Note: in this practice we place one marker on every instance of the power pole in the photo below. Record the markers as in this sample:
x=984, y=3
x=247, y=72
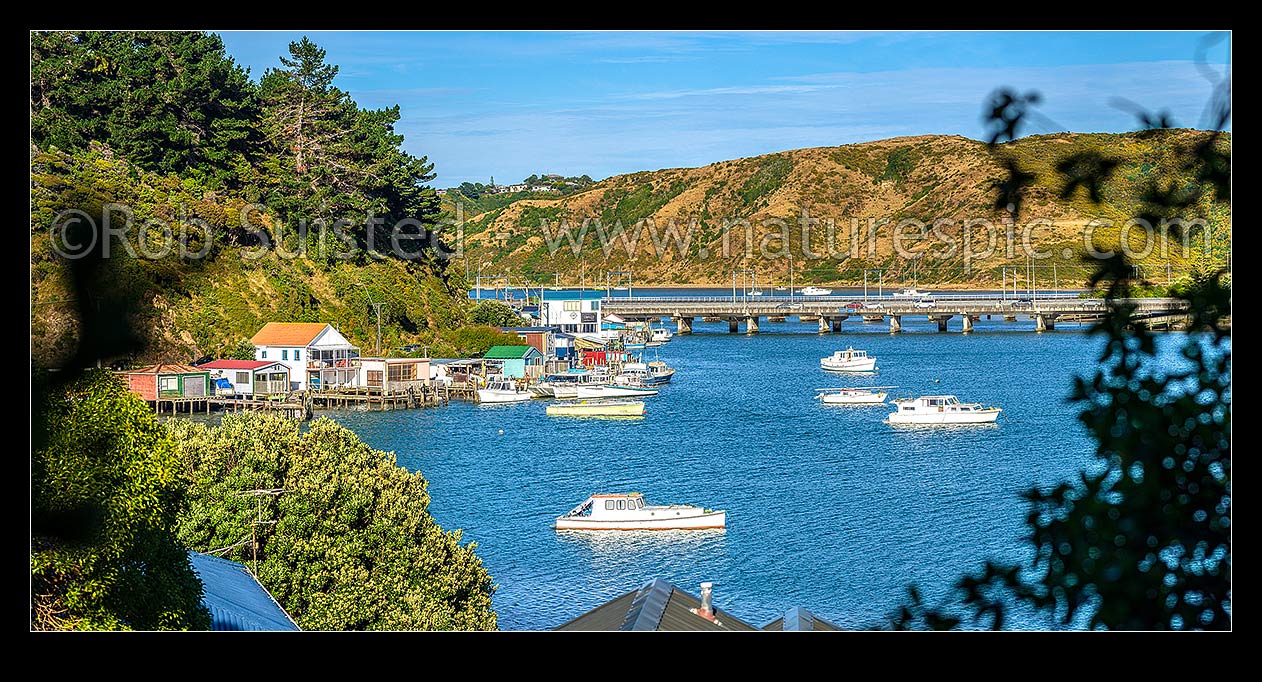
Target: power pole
x=258, y=495
x=377, y=307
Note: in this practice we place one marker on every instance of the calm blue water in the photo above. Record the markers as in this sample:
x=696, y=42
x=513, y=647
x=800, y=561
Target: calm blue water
x=828, y=507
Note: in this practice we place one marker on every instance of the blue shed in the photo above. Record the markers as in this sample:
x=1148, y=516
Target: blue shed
x=236, y=600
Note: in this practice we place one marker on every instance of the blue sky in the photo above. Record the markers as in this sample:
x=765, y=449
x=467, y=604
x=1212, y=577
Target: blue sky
x=510, y=104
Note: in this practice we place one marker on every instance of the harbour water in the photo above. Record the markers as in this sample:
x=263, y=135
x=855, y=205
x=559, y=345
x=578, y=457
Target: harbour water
x=828, y=507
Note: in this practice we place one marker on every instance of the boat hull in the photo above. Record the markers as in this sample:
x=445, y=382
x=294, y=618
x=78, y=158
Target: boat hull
x=489, y=396
x=940, y=418
x=702, y=521
x=614, y=392
x=853, y=399
x=867, y=365
x=596, y=409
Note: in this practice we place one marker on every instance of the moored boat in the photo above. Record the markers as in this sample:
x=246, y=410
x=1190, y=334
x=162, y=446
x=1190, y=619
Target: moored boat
x=911, y=292
x=849, y=360
x=815, y=291
x=629, y=511
x=940, y=409
x=596, y=408
x=660, y=334
x=852, y=396
x=661, y=372
x=614, y=391
x=503, y=392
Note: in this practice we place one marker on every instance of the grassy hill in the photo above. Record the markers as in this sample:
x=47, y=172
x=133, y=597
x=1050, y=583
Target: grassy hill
x=762, y=199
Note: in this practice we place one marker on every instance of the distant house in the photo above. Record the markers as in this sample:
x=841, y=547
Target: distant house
x=440, y=192
x=236, y=601
x=394, y=374
x=517, y=188
x=553, y=176
x=662, y=607
x=517, y=361
x=168, y=381
x=543, y=188
x=316, y=354
x=542, y=339
x=251, y=377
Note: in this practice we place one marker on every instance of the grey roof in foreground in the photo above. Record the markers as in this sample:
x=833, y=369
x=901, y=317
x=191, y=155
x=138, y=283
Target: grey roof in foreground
x=235, y=599
x=658, y=606
x=798, y=619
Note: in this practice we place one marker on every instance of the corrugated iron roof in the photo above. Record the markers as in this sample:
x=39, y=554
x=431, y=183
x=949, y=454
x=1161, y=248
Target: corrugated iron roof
x=798, y=619
x=235, y=599
x=657, y=606
x=165, y=368
x=508, y=352
x=288, y=333
x=237, y=364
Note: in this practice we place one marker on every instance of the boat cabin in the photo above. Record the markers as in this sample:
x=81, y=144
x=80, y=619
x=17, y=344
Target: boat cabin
x=935, y=403
x=610, y=505
x=850, y=354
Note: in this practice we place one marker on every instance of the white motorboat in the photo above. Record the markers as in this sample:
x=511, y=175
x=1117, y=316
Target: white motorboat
x=613, y=391
x=755, y=293
x=940, y=409
x=911, y=292
x=596, y=408
x=815, y=291
x=629, y=511
x=849, y=360
x=852, y=396
x=565, y=384
x=660, y=334
x=503, y=392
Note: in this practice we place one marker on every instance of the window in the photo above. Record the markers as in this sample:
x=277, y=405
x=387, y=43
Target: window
x=374, y=378
x=608, y=504
x=284, y=355
x=243, y=377
x=622, y=504
x=570, y=305
x=297, y=354
x=908, y=408
x=168, y=384
x=263, y=355
x=401, y=372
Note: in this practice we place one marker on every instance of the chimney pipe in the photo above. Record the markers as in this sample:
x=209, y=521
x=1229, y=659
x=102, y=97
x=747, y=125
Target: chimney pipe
x=707, y=601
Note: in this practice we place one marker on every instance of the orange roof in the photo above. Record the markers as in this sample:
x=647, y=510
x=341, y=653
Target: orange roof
x=288, y=333
x=165, y=368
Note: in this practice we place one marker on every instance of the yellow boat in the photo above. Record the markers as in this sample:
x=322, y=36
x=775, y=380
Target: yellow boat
x=596, y=408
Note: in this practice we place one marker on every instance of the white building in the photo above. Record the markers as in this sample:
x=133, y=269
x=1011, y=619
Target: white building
x=572, y=311
x=251, y=378
x=316, y=354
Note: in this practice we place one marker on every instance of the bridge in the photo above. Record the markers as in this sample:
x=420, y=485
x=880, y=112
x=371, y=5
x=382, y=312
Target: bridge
x=830, y=311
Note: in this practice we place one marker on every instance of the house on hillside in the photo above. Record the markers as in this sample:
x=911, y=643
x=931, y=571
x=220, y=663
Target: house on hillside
x=251, y=378
x=517, y=361
x=236, y=600
x=317, y=355
x=168, y=381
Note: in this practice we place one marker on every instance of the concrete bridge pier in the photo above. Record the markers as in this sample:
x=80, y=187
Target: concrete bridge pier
x=837, y=324
x=968, y=323
x=896, y=324
x=823, y=324
x=1044, y=323
x=733, y=325
x=775, y=318
x=683, y=325
x=941, y=320
x=1009, y=318
x=751, y=325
